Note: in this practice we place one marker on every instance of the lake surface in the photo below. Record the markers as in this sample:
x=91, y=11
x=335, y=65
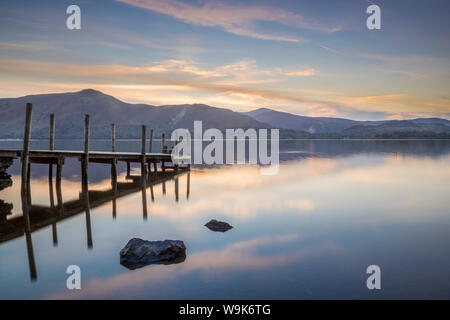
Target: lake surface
x=309, y=232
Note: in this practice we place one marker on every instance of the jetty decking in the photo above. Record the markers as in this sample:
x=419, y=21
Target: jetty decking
x=36, y=217
x=43, y=216
x=57, y=157
x=53, y=156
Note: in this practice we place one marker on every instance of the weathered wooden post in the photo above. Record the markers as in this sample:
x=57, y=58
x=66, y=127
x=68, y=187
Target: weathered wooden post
x=176, y=189
x=52, y=198
x=51, y=146
x=128, y=168
x=30, y=252
x=163, y=142
x=114, y=202
x=143, y=170
x=26, y=147
x=52, y=132
x=59, y=198
x=188, y=187
x=87, y=208
x=114, y=185
x=150, y=144
x=114, y=170
x=163, y=150
x=55, y=219
x=144, y=199
x=29, y=184
x=152, y=193
x=85, y=180
x=25, y=190
x=85, y=160
x=113, y=137
x=86, y=133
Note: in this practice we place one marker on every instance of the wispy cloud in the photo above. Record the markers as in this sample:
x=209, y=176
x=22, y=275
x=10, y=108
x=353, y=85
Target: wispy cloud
x=237, y=19
x=410, y=75
x=242, y=86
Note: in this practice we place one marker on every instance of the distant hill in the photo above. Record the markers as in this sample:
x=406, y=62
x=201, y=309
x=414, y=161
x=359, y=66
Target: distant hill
x=70, y=108
x=323, y=127
x=295, y=122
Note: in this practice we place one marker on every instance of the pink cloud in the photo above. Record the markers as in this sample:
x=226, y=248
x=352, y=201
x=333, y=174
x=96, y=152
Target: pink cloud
x=236, y=19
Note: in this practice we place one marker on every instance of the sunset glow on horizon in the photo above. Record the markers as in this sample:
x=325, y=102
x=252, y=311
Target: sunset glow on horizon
x=303, y=57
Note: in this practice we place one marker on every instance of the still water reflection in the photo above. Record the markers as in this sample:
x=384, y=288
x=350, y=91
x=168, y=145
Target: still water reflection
x=334, y=208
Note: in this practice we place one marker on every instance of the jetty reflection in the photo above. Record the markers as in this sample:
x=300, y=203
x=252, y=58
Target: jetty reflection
x=36, y=217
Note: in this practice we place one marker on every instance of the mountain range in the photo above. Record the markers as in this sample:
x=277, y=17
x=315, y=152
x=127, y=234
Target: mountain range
x=70, y=108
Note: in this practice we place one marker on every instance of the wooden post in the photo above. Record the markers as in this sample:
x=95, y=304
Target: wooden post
x=85, y=160
x=59, y=198
x=128, y=169
x=113, y=138
x=114, y=187
x=52, y=205
x=143, y=173
x=151, y=193
x=51, y=146
x=86, y=134
x=85, y=192
x=144, y=198
x=52, y=198
x=52, y=132
x=29, y=184
x=176, y=189
x=26, y=147
x=150, y=144
x=25, y=190
x=30, y=252
x=143, y=169
x=188, y=187
x=163, y=142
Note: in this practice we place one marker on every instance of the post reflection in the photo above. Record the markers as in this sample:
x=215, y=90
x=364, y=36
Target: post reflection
x=37, y=216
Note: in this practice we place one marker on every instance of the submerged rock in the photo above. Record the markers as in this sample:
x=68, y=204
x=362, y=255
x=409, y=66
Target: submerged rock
x=218, y=226
x=139, y=253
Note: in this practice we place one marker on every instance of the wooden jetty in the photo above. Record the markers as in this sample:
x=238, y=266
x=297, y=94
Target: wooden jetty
x=37, y=217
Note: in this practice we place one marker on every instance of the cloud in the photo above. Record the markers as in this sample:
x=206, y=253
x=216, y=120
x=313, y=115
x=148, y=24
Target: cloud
x=242, y=85
x=410, y=75
x=303, y=73
x=237, y=19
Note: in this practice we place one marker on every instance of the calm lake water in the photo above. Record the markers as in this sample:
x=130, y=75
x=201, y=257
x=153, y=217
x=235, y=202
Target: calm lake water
x=309, y=232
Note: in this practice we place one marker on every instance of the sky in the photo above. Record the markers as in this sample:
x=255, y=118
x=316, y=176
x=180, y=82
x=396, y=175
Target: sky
x=312, y=58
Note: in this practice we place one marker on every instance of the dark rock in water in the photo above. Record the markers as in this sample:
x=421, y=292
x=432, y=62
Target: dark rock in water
x=139, y=253
x=219, y=226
